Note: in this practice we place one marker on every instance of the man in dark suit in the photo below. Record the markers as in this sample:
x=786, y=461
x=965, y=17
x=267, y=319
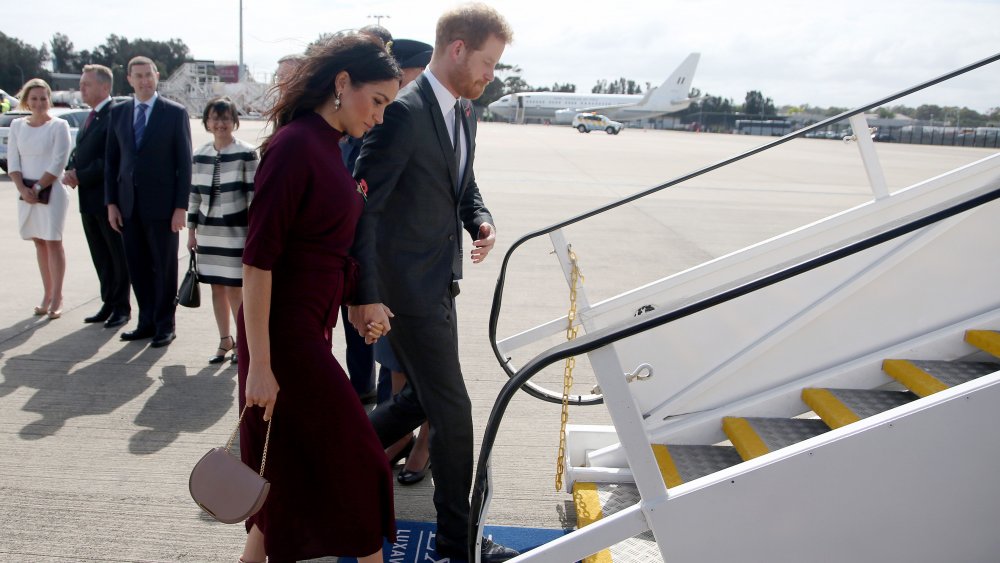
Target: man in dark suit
x=147, y=184
x=86, y=172
x=418, y=166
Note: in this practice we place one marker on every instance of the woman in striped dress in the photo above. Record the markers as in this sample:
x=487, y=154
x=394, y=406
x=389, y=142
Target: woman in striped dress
x=221, y=191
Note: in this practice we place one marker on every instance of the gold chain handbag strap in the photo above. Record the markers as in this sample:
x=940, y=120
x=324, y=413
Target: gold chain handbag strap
x=267, y=439
x=575, y=278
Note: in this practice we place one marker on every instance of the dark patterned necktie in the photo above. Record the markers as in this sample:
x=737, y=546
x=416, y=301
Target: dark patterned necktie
x=140, y=123
x=90, y=119
x=458, y=124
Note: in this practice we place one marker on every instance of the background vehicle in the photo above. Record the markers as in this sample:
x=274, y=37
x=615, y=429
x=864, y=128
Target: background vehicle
x=587, y=122
x=75, y=117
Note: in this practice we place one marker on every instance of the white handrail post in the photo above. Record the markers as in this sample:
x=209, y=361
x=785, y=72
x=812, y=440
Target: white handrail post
x=867, y=148
x=561, y=248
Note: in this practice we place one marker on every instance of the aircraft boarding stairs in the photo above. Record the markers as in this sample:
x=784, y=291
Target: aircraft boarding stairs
x=831, y=394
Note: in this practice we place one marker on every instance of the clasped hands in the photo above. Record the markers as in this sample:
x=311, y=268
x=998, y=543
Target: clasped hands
x=371, y=320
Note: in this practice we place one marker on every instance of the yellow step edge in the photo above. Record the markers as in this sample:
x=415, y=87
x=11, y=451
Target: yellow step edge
x=671, y=477
x=986, y=340
x=824, y=403
x=588, y=511
x=748, y=444
x=914, y=378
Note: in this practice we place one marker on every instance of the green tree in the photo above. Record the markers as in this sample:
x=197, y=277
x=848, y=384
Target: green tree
x=116, y=52
x=20, y=62
x=64, y=56
x=756, y=104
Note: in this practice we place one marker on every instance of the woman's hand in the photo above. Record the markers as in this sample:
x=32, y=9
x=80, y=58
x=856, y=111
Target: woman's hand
x=192, y=245
x=262, y=388
x=29, y=195
x=374, y=332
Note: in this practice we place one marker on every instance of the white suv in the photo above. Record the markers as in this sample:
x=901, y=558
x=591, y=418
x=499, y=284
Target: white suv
x=587, y=122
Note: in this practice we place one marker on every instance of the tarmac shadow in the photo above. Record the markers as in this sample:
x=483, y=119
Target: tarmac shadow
x=63, y=393
x=18, y=333
x=183, y=403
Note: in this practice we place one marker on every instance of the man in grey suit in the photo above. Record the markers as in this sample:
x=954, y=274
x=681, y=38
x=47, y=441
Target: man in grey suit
x=147, y=185
x=418, y=166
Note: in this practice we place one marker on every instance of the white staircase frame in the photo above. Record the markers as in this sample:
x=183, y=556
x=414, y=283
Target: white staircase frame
x=738, y=358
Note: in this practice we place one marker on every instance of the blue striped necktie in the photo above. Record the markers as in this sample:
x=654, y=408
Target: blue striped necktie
x=140, y=123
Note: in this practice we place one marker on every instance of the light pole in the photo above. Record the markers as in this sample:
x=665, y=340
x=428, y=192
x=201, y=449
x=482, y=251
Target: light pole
x=378, y=18
x=239, y=72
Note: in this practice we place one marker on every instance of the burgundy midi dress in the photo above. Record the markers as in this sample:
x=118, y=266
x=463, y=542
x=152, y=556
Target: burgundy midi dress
x=331, y=486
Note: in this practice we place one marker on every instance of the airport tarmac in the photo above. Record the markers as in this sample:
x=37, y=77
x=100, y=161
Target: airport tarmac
x=98, y=436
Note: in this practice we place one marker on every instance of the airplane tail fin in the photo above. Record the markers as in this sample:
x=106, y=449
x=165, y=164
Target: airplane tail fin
x=674, y=89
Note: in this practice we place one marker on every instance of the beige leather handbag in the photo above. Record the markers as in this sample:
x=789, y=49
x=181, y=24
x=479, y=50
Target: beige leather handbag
x=226, y=488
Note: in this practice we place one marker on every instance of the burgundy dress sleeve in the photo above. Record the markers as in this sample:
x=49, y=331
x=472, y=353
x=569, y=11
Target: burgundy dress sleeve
x=279, y=188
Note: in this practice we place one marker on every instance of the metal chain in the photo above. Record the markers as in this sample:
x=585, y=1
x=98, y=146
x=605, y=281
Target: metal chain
x=267, y=439
x=575, y=278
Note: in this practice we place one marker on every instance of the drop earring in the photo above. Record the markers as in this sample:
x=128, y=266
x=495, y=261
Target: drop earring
x=336, y=103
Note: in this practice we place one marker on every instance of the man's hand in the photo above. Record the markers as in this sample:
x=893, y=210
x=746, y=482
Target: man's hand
x=369, y=318
x=484, y=244
x=70, y=179
x=115, y=218
x=177, y=221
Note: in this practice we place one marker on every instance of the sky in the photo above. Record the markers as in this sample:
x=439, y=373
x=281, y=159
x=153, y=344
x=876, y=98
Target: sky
x=822, y=53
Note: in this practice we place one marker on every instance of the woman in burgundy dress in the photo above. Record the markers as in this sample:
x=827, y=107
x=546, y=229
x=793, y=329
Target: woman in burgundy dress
x=331, y=487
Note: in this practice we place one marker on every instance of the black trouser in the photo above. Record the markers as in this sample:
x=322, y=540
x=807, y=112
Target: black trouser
x=427, y=348
x=108, y=253
x=151, y=252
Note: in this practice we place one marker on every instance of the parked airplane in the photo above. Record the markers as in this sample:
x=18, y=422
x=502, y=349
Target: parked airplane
x=560, y=107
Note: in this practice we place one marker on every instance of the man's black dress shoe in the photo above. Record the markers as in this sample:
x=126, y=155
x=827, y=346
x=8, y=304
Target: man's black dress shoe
x=116, y=320
x=162, y=340
x=492, y=552
x=100, y=317
x=138, y=334
x=407, y=477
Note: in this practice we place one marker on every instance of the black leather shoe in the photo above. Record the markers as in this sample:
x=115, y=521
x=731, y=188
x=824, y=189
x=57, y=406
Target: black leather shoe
x=491, y=551
x=116, y=320
x=161, y=340
x=407, y=477
x=100, y=317
x=138, y=334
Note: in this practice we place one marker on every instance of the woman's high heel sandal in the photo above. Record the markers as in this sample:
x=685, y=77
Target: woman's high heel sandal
x=219, y=358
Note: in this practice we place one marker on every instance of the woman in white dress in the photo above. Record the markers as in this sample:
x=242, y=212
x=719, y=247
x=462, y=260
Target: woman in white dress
x=37, y=152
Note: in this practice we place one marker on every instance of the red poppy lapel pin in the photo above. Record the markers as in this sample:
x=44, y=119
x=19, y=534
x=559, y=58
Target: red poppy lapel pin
x=468, y=109
x=363, y=189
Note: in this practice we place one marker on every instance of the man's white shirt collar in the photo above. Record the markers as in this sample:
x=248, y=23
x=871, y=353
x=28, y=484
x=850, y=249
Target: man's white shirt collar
x=149, y=103
x=103, y=103
x=445, y=99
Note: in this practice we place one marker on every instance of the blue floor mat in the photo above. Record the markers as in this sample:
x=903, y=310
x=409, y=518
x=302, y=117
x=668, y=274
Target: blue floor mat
x=415, y=541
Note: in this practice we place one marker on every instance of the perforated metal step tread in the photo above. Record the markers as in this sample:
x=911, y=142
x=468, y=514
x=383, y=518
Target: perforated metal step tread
x=594, y=501
x=755, y=437
x=840, y=407
x=926, y=377
x=685, y=463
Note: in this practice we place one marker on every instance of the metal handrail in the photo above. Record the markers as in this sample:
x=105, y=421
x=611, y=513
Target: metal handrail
x=609, y=335
x=544, y=395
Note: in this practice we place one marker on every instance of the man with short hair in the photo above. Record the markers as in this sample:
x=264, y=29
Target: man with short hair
x=418, y=166
x=147, y=185
x=86, y=172
x=287, y=65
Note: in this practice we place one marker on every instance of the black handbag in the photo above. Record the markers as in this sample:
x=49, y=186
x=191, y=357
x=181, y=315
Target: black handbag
x=189, y=295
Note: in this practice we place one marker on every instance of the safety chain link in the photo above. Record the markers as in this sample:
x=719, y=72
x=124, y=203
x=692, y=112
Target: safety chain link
x=575, y=278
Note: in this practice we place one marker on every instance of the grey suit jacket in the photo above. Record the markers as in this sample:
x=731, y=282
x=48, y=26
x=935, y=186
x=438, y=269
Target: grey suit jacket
x=409, y=239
